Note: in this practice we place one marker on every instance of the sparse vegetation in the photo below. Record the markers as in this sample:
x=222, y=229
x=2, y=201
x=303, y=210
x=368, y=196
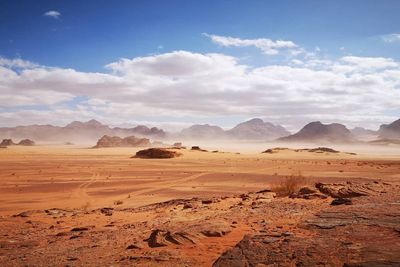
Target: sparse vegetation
x=291, y=184
x=118, y=202
x=86, y=206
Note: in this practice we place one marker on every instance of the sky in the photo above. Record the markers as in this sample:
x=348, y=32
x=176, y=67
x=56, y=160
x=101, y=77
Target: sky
x=179, y=62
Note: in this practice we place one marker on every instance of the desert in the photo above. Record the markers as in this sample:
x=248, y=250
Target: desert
x=188, y=133
x=78, y=206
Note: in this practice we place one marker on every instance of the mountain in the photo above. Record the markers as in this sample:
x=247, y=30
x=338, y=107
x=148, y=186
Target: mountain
x=254, y=129
x=318, y=132
x=203, y=131
x=363, y=134
x=77, y=132
x=390, y=131
x=360, y=131
x=257, y=129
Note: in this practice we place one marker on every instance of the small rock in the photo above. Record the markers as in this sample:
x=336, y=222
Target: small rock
x=270, y=240
x=79, y=229
x=274, y=234
x=307, y=190
x=207, y=201
x=107, y=211
x=341, y=201
x=134, y=246
x=187, y=206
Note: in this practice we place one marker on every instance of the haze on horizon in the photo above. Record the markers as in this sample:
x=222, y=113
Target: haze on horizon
x=184, y=62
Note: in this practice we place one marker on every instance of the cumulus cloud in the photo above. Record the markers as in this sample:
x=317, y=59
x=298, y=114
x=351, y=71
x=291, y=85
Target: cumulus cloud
x=353, y=90
x=391, y=38
x=52, y=14
x=267, y=46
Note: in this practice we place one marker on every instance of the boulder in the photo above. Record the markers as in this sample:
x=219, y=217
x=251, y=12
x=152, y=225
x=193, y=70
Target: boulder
x=162, y=238
x=341, y=201
x=348, y=189
x=156, y=153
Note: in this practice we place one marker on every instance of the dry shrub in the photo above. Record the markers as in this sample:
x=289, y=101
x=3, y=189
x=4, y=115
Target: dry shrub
x=118, y=202
x=291, y=184
x=85, y=207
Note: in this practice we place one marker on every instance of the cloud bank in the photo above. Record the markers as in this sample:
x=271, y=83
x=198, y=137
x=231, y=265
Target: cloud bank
x=352, y=90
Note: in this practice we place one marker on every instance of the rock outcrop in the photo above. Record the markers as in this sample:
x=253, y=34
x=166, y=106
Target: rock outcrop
x=7, y=142
x=349, y=189
x=116, y=141
x=26, y=142
x=156, y=153
x=162, y=238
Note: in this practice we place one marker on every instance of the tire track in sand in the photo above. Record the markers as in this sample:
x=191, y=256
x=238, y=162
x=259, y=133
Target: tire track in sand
x=168, y=184
x=81, y=192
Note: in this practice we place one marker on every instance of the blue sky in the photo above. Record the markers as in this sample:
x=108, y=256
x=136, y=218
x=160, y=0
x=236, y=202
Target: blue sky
x=74, y=39
x=90, y=34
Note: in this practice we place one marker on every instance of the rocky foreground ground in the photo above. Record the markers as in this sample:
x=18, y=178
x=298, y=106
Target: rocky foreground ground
x=344, y=224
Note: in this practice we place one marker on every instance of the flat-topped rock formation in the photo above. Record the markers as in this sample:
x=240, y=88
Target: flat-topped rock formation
x=116, y=141
x=156, y=153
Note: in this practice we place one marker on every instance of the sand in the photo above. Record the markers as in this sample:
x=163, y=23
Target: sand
x=77, y=179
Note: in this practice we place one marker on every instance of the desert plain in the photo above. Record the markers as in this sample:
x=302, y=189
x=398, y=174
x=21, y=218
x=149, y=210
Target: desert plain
x=77, y=206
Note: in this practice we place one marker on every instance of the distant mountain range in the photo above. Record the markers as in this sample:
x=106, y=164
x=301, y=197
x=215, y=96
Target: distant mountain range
x=254, y=129
x=77, y=131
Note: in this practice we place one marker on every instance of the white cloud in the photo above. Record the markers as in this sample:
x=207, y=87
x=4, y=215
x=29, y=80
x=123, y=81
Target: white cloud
x=267, y=46
x=16, y=63
x=181, y=84
x=391, y=38
x=52, y=14
x=370, y=63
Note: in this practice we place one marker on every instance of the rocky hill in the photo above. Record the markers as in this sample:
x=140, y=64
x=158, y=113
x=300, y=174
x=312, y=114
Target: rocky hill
x=10, y=142
x=318, y=132
x=257, y=129
x=390, y=131
x=203, y=131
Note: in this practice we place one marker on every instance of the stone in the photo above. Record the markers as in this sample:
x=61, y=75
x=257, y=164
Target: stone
x=341, y=201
